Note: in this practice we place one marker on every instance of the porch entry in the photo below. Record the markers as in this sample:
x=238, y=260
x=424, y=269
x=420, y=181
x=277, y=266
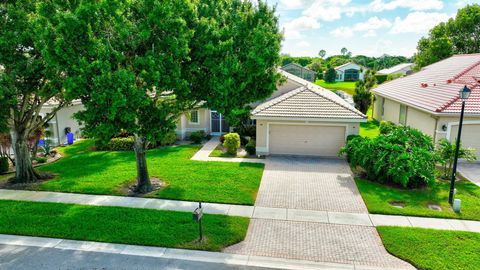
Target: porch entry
x=218, y=123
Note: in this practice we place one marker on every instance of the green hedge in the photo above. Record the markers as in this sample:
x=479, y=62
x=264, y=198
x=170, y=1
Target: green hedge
x=403, y=156
x=250, y=147
x=126, y=143
x=381, y=78
x=197, y=136
x=3, y=164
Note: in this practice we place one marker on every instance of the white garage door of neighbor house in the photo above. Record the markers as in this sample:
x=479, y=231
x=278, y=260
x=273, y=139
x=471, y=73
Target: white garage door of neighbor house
x=470, y=136
x=310, y=140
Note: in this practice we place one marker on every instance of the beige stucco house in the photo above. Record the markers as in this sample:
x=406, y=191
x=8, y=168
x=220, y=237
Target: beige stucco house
x=349, y=72
x=301, y=118
x=429, y=100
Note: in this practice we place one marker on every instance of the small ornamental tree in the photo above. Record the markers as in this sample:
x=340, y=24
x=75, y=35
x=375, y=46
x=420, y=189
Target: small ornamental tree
x=446, y=153
x=232, y=143
x=363, y=96
x=330, y=75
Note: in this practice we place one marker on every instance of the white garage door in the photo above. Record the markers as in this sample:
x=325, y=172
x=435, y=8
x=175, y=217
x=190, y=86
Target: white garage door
x=307, y=140
x=470, y=136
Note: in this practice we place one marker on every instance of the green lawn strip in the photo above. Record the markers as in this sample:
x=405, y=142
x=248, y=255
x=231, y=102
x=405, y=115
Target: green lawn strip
x=348, y=87
x=370, y=129
x=377, y=197
x=120, y=225
x=98, y=172
x=433, y=249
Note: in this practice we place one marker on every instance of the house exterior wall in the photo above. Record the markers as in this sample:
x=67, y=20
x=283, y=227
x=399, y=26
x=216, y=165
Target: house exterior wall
x=341, y=71
x=421, y=120
x=63, y=119
x=391, y=111
x=262, y=130
x=185, y=127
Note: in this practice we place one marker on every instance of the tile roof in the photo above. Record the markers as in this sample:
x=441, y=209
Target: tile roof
x=346, y=64
x=308, y=102
x=394, y=69
x=435, y=88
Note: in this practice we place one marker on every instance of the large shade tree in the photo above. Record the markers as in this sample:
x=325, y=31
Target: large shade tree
x=28, y=80
x=138, y=64
x=460, y=35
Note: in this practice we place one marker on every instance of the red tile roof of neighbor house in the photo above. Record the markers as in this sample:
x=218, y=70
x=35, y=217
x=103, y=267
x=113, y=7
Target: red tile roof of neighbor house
x=436, y=87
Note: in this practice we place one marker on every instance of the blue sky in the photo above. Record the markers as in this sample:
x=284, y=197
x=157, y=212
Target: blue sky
x=369, y=27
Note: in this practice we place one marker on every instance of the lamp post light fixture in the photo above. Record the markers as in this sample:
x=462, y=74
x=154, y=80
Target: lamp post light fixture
x=464, y=94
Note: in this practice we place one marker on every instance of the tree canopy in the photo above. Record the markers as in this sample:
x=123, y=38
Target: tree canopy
x=460, y=35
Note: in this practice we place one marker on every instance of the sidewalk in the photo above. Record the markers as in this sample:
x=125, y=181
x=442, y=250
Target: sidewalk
x=255, y=212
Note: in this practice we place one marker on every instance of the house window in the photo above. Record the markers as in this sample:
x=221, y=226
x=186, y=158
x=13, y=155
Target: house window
x=194, y=117
x=351, y=75
x=403, y=115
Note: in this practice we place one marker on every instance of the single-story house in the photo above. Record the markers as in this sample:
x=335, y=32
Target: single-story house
x=63, y=119
x=301, y=118
x=299, y=71
x=429, y=100
x=400, y=69
x=349, y=72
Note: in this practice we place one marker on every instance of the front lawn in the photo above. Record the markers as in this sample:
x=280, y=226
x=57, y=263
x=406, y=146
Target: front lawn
x=120, y=225
x=102, y=172
x=378, y=199
x=433, y=249
x=370, y=129
x=348, y=87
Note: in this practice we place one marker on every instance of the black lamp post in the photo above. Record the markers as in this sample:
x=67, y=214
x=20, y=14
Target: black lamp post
x=464, y=94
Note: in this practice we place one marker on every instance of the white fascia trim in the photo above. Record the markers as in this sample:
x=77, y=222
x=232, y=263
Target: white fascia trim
x=451, y=124
x=341, y=120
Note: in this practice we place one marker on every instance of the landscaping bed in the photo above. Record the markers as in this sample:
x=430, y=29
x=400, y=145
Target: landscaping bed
x=433, y=249
x=82, y=170
x=120, y=225
x=381, y=199
x=221, y=151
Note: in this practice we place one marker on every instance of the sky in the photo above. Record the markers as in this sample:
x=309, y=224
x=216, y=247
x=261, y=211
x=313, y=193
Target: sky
x=366, y=27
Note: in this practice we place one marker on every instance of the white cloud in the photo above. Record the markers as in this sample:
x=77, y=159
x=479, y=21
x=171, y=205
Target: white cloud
x=294, y=27
x=303, y=44
x=381, y=5
x=418, y=22
x=463, y=3
x=326, y=10
x=370, y=33
x=372, y=23
x=342, y=32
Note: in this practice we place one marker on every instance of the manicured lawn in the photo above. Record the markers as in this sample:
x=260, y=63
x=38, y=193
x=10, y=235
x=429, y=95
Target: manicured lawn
x=370, y=129
x=433, y=249
x=119, y=225
x=97, y=172
x=348, y=87
x=378, y=197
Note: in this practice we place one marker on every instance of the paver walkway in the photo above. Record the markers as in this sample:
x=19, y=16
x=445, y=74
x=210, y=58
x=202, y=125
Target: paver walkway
x=470, y=170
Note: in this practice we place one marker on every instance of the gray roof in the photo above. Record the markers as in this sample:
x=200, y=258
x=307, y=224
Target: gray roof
x=394, y=69
x=299, y=66
x=307, y=101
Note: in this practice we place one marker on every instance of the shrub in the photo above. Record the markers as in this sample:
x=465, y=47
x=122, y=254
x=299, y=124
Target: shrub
x=404, y=156
x=381, y=78
x=117, y=144
x=330, y=75
x=41, y=159
x=386, y=127
x=351, y=137
x=197, y=136
x=232, y=143
x=250, y=147
x=244, y=140
x=3, y=164
x=446, y=153
x=246, y=130
x=168, y=139
x=222, y=138
x=53, y=153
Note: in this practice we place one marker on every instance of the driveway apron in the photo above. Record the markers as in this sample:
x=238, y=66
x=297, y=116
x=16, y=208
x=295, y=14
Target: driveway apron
x=308, y=183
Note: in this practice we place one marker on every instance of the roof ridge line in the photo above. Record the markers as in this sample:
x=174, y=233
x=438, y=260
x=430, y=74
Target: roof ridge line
x=456, y=77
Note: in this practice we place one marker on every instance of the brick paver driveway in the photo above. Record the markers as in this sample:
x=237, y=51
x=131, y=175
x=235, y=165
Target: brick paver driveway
x=313, y=184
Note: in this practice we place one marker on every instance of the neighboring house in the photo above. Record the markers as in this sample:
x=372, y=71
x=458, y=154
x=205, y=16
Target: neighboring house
x=301, y=118
x=63, y=119
x=429, y=100
x=300, y=71
x=349, y=72
x=400, y=69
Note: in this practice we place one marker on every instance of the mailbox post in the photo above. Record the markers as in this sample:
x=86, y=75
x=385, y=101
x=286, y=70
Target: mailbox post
x=197, y=216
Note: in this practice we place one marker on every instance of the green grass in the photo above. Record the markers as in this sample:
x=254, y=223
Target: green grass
x=370, y=129
x=99, y=172
x=378, y=196
x=348, y=87
x=119, y=225
x=433, y=249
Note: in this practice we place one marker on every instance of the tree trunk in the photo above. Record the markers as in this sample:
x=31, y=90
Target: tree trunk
x=143, y=180
x=24, y=172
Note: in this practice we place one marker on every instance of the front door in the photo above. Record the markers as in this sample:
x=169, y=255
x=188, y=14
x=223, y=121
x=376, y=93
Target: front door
x=218, y=123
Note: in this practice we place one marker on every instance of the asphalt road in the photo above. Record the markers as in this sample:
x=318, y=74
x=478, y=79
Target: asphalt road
x=24, y=258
